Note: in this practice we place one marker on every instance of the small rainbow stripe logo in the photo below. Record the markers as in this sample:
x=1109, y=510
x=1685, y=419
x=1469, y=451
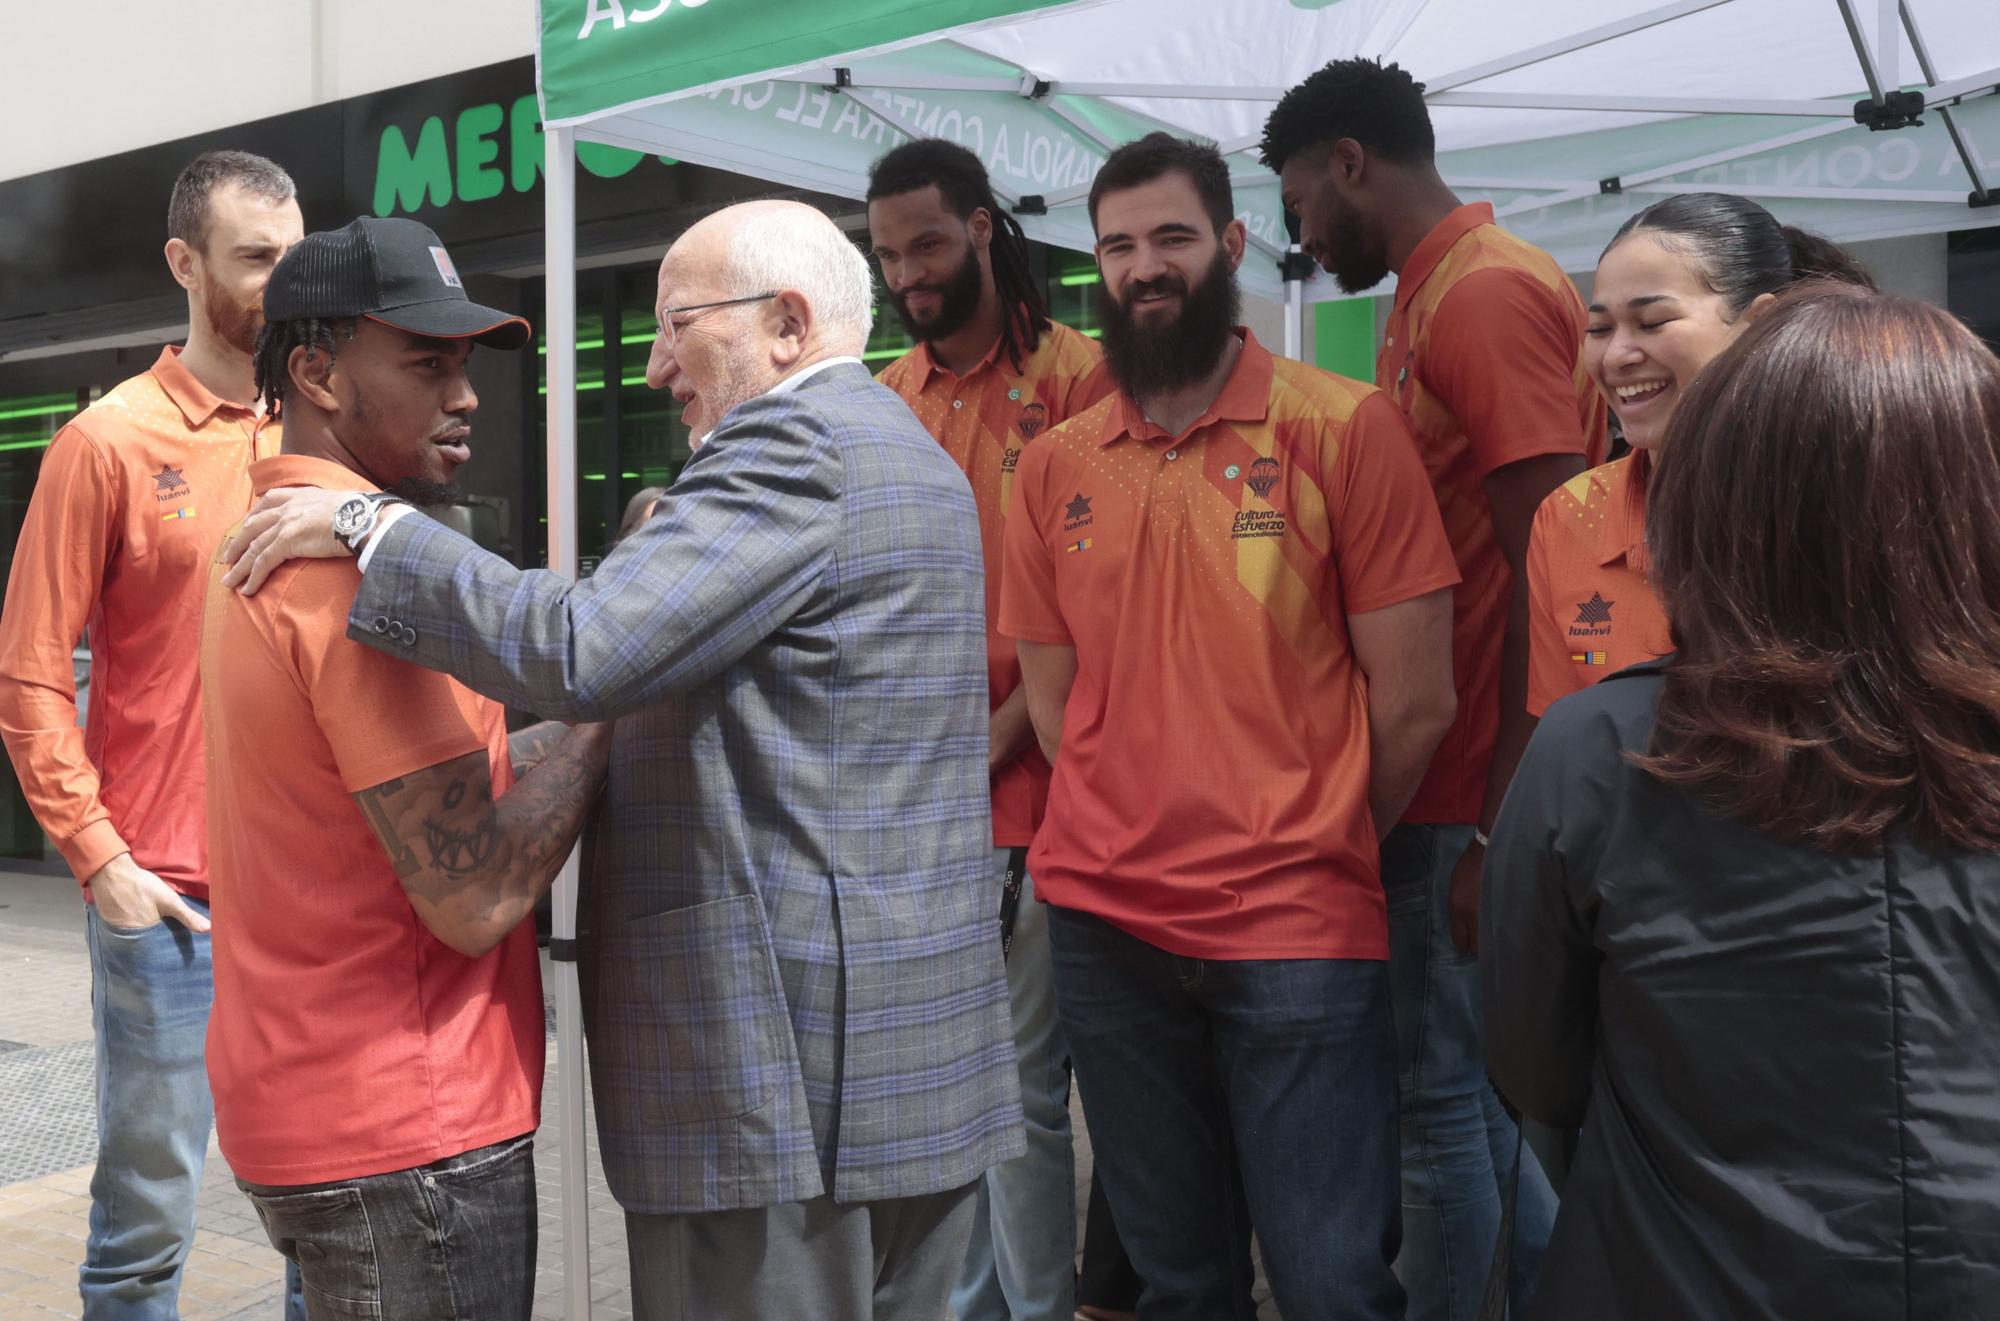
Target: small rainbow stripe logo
x=1076, y=546
x=185, y=511
x=1591, y=657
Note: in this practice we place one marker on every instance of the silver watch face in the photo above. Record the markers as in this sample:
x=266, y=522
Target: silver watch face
x=353, y=516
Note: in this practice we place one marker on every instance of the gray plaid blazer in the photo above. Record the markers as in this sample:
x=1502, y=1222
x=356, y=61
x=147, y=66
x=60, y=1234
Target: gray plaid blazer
x=789, y=938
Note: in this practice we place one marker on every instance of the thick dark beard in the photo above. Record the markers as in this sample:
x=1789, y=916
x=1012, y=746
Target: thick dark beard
x=427, y=494
x=958, y=302
x=1359, y=261
x=1148, y=360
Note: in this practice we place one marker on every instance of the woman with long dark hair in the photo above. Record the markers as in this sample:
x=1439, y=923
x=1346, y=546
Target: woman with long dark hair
x=1676, y=285
x=1742, y=909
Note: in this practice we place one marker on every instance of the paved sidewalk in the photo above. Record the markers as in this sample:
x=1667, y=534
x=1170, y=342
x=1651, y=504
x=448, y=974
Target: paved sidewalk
x=48, y=1148
x=49, y=1144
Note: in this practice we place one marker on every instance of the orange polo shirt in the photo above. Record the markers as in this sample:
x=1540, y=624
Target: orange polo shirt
x=1211, y=797
x=133, y=497
x=1484, y=352
x=346, y=1039
x=984, y=419
x=1592, y=610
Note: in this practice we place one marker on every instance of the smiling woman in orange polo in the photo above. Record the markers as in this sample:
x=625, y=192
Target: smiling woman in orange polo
x=1679, y=282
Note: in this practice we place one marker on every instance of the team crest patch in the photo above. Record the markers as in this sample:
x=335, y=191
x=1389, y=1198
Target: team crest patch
x=1033, y=418
x=1263, y=476
x=446, y=271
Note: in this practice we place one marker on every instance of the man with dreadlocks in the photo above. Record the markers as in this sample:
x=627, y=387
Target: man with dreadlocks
x=991, y=372
x=132, y=497
x=376, y=1045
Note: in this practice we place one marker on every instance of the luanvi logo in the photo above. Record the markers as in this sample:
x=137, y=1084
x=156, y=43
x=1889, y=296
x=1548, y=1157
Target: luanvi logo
x=615, y=13
x=170, y=484
x=1593, y=617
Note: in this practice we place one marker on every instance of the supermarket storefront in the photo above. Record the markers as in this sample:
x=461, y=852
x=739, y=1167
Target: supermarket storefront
x=86, y=300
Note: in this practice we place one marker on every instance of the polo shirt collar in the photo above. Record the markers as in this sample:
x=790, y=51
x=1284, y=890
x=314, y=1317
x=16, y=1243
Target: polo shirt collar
x=1427, y=254
x=196, y=401
x=1623, y=534
x=926, y=364
x=305, y=470
x=1245, y=397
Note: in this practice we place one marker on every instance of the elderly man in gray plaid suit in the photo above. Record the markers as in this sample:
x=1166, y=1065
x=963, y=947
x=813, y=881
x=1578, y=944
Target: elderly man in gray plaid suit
x=797, y=1015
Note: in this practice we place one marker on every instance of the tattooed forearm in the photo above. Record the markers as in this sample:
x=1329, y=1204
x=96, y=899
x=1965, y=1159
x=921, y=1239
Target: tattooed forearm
x=401, y=856
x=473, y=866
x=526, y=748
x=458, y=852
x=544, y=812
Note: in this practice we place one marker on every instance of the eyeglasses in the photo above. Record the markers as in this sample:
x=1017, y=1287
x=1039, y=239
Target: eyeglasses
x=667, y=314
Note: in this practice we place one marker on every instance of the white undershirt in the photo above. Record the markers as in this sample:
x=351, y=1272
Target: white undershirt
x=804, y=374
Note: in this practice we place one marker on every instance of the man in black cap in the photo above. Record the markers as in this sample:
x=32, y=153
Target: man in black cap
x=376, y=1044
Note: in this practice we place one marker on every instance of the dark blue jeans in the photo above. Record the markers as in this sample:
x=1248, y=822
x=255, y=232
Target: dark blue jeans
x=450, y=1241
x=1458, y=1143
x=1196, y=1073
x=150, y=990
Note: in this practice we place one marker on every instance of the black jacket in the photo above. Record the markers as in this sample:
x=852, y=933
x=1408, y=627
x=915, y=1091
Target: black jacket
x=1786, y=1064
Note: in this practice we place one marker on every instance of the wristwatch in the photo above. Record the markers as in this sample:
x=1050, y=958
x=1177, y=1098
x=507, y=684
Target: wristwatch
x=356, y=518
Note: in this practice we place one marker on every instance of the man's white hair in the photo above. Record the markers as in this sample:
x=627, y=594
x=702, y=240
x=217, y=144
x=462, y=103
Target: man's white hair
x=792, y=246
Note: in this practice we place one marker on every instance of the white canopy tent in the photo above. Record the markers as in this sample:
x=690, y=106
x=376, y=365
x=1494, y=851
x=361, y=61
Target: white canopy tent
x=1858, y=118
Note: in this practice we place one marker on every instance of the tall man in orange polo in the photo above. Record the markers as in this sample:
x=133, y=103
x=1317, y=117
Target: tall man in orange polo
x=1232, y=594
x=1483, y=351
x=134, y=494
x=989, y=374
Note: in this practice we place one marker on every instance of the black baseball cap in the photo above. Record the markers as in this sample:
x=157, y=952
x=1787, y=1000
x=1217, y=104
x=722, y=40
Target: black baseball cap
x=394, y=271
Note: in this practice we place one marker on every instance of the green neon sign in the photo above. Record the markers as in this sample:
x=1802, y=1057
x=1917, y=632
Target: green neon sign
x=488, y=150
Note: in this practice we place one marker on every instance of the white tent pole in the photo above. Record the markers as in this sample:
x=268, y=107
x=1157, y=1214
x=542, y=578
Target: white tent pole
x=559, y=318
x=1928, y=197
x=1869, y=69
x=1888, y=54
x=1966, y=155
x=898, y=82
x=1986, y=80
x=1265, y=246
x=1729, y=154
x=1173, y=91
x=1678, y=167
x=1565, y=45
x=1644, y=105
x=1295, y=315
x=1080, y=124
